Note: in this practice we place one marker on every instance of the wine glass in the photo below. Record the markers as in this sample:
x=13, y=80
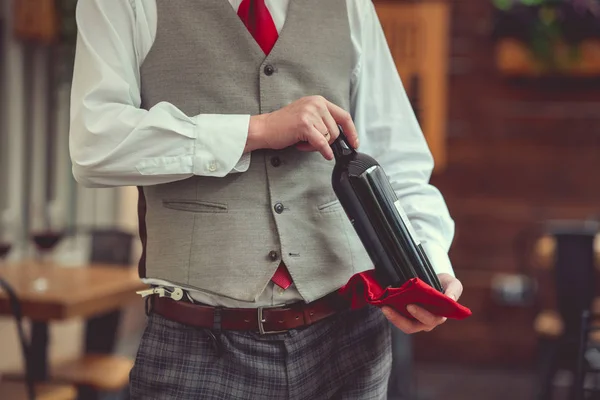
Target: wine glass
x=5, y=237
x=48, y=229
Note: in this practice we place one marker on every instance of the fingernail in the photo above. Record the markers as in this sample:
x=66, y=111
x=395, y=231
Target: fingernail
x=385, y=312
x=411, y=309
x=357, y=143
x=453, y=297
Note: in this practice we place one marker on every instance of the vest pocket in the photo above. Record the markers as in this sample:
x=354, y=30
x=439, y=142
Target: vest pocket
x=196, y=206
x=330, y=206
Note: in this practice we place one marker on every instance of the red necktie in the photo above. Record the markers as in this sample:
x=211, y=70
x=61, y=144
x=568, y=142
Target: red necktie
x=258, y=20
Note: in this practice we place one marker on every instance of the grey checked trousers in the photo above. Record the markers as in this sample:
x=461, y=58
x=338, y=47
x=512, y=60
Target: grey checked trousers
x=344, y=357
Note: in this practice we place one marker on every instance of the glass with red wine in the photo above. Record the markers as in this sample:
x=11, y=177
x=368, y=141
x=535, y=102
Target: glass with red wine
x=48, y=229
x=6, y=238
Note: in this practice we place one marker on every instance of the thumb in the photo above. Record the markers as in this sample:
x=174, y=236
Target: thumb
x=454, y=289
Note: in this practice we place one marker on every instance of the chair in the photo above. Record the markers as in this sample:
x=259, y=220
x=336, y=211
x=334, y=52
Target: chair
x=590, y=327
x=29, y=390
x=99, y=369
x=560, y=331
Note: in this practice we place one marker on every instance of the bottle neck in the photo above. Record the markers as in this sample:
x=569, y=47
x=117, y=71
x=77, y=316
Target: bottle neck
x=340, y=148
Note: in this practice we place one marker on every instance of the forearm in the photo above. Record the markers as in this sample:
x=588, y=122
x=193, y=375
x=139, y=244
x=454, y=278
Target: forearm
x=117, y=145
x=256, y=133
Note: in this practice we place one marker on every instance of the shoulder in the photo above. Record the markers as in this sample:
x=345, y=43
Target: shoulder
x=115, y=9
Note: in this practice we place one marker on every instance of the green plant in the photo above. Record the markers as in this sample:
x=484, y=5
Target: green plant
x=552, y=29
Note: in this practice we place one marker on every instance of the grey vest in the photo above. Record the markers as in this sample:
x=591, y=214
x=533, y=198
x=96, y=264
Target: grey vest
x=228, y=235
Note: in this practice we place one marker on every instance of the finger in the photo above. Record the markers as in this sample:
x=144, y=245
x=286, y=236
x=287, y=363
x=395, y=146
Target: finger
x=453, y=288
x=318, y=141
x=404, y=324
x=425, y=317
x=321, y=127
x=305, y=146
x=445, y=278
x=331, y=125
x=343, y=118
x=317, y=123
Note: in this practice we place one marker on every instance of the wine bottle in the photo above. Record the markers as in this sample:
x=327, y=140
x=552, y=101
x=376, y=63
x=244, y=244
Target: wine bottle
x=367, y=197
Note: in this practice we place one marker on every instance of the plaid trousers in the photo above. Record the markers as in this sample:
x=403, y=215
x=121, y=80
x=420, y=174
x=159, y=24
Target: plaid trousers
x=345, y=357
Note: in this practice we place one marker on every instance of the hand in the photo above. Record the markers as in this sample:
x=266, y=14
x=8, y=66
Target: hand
x=425, y=321
x=310, y=123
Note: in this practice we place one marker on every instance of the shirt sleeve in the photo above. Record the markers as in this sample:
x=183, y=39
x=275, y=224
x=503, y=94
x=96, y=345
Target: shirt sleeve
x=113, y=142
x=389, y=132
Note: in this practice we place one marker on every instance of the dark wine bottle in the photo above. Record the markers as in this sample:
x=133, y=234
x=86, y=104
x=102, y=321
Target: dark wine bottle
x=367, y=197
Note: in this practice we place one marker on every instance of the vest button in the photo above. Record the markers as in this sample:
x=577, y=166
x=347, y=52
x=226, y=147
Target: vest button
x=269, y=70
x=273, y=256
x=275, y=161
x=278, y=208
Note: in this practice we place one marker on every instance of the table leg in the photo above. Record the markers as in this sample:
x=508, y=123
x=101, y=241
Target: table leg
x=39, y=351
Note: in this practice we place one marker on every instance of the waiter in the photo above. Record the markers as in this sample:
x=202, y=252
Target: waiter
x=221, y=113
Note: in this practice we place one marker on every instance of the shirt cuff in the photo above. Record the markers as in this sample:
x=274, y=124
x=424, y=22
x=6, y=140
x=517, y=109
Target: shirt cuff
x=220, y=143
x=243, y=164
x=439, y=258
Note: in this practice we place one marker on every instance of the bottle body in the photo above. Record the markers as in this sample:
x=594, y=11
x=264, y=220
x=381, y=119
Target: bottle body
x=366, y=230
x=367, y=197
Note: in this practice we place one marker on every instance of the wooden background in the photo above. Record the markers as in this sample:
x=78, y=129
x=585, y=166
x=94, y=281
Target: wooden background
x=516, y=153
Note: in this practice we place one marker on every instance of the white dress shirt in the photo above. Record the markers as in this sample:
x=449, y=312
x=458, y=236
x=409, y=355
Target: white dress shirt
x=113, y=142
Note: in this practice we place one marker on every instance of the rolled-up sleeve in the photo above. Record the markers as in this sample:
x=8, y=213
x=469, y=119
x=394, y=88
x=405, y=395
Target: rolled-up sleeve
x=113, y=142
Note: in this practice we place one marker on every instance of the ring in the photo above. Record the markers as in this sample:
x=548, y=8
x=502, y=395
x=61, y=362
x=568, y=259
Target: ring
x=326, y=133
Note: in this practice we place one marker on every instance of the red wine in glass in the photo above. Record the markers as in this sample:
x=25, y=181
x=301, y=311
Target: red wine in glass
x=47, y=240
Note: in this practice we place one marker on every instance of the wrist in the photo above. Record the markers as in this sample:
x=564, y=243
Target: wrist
x=256, y=133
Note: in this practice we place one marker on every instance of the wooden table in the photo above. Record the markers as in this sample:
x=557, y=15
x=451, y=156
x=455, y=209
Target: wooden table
x=69, y=292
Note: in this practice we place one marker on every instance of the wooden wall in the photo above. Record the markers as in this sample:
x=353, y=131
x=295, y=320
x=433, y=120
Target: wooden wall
x=517, y=152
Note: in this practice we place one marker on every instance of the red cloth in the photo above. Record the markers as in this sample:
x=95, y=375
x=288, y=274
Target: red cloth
x=259, y=22
x=363, y=289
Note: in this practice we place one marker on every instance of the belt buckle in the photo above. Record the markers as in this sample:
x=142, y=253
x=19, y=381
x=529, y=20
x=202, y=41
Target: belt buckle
x=261, y=321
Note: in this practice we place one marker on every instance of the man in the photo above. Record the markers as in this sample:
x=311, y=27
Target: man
x=222, y=113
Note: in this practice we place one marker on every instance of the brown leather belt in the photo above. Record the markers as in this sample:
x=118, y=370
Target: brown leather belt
x=264, y=320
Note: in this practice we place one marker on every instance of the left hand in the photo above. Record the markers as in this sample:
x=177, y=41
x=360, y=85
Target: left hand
x=425, y=321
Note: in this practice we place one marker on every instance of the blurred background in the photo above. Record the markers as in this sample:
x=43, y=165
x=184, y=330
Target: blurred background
x=508, y=95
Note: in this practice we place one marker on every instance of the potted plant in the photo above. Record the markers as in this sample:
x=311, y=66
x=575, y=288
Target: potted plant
x=548, y=36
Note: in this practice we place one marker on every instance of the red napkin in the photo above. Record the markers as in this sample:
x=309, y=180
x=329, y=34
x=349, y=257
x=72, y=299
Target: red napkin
x=363, y=289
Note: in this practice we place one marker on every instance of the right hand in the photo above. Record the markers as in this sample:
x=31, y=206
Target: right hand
x=303, y=123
